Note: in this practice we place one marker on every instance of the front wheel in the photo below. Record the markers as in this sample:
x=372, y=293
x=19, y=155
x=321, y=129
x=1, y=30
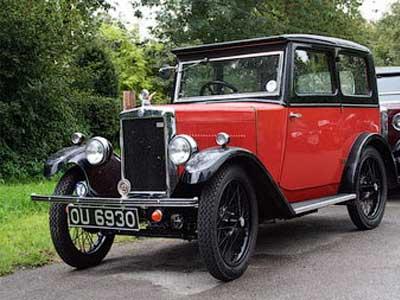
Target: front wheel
x=77, y=247
x=368, y=209
x=228, y=223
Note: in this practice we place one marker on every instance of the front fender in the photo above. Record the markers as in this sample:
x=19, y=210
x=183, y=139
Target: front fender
x=69, y=155
x=102, y=180
x=203, y=165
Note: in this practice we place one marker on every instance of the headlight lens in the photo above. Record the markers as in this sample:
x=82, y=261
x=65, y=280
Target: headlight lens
x=396, y=122
x=181, y=149
x=97, y=150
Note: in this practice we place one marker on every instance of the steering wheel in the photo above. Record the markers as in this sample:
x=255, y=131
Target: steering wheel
x=209, y=87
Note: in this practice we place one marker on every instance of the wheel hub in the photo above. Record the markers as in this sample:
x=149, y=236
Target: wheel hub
x=241, y=222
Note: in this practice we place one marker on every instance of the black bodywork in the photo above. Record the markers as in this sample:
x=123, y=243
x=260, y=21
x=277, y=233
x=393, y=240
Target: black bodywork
x=102, y=180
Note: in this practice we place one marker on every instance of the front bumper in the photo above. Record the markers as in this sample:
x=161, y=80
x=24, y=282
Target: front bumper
x=143, y=203
x=186, y=207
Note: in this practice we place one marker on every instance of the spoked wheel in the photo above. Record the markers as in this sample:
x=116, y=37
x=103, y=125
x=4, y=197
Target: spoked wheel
x=228, y=223
x=367, y=210
x=79, y=248
x=233, y=224
x=85, y=241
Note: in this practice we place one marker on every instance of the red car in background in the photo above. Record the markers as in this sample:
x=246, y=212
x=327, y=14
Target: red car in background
x=262, y=129
x=389, y=97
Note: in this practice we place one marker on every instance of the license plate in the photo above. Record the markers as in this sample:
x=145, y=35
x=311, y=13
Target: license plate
x=103, y=218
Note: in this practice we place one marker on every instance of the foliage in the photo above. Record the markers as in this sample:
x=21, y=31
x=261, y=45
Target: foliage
x=37, y=42
x=209, y=21
x=128, y=58
x=96, y=71
x=386, y=38
x=137, y=64
x=102, y=116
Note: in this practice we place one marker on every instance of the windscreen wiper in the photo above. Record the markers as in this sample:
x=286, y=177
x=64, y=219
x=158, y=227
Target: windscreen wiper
x=200, y=62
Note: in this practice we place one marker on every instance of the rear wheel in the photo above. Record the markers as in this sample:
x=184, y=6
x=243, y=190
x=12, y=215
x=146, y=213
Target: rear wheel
x=77, y=247
x=368, y=209
x=228, y=223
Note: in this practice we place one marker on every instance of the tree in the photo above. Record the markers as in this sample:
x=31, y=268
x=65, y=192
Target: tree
x=38, y=40
x=97, y=74
x=386, y=37
x=137, y=64
x=184, y=22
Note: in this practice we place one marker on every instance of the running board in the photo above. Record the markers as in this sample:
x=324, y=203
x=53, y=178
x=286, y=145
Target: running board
x=310, y=205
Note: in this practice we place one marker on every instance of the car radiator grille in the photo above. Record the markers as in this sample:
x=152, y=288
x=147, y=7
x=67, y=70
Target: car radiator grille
x=144, y=154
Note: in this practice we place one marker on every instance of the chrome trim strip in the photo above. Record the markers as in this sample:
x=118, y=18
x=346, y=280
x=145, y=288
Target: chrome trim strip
x=389, y=93
x=384, y=122
x=119, y=202
x=149, y=112
x=232, y=96
x=310, y=205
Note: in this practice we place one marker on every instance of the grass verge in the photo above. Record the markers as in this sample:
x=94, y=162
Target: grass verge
x=24, y=229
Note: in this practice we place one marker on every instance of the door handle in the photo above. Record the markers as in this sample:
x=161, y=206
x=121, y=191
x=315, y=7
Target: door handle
x=294, y=115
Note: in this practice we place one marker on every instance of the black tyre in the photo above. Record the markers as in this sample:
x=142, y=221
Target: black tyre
x=77, y=247
x=227, y=223
x=368, y=209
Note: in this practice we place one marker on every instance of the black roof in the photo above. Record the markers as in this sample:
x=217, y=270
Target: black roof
x=302, y=38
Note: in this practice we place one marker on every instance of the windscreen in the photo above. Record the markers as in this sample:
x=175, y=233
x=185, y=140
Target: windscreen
x=241, y=76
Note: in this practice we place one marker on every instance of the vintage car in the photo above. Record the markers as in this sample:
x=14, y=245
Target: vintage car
x=261, y=129
x=389, y=97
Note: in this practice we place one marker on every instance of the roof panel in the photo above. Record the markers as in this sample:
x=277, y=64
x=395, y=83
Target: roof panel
x=303, y=38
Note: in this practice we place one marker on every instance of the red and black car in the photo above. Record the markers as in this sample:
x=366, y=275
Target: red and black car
x=389, y=96
x=261, y=129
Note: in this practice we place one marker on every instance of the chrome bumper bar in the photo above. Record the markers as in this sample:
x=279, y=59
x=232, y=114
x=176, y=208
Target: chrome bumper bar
x=119, y=202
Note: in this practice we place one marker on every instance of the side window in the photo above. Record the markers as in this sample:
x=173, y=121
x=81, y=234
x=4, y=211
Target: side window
x=353, y=75
x=312, y=73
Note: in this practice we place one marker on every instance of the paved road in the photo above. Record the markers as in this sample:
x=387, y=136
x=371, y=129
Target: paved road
x=320, y=256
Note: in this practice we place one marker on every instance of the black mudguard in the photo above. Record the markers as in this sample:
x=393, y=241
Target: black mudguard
x=203, y=165
x=102, y=180
x=349, y=177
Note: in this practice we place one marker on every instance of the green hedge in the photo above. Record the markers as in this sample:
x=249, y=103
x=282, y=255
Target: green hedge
x=28, y=136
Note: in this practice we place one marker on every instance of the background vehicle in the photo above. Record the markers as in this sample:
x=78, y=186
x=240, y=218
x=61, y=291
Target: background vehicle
x=260, y=129
x=389, y=97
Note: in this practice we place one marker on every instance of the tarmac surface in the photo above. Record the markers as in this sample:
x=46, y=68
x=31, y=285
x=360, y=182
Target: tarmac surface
x=319, y=256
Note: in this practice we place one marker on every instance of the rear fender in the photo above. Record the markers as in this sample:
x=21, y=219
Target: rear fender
x=102, y=180
x=349, y=177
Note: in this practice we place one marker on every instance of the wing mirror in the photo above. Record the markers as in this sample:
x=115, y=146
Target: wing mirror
x=166, y=71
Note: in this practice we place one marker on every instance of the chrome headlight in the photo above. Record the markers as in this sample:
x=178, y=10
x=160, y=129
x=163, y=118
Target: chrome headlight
x=396, y=122
x=77, y=138
x=98, y=150
x=181, y=149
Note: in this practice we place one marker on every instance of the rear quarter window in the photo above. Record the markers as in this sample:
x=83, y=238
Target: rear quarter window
x=353, y=75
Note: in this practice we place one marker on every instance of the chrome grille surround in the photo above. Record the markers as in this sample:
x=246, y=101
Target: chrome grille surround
x=168, y=116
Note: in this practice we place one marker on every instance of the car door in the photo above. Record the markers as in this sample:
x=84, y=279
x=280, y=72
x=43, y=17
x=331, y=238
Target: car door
x=312, y=157
x=358, y=96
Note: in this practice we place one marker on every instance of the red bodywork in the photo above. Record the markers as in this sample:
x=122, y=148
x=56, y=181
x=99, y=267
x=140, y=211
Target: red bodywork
x=305, y=156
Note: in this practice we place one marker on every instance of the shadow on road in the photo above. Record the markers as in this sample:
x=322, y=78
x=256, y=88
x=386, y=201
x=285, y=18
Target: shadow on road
x=279, y=241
